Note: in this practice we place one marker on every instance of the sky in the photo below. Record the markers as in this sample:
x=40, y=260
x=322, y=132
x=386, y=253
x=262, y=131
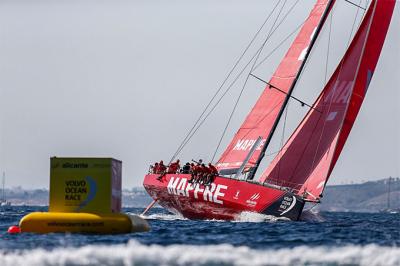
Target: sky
x=127, y=79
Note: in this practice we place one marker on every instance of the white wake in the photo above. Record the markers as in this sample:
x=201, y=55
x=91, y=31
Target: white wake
x=254, y=217
x=163, y=217
x=135, y=253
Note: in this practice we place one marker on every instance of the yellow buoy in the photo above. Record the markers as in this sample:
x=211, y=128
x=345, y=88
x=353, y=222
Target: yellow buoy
x=54, y=222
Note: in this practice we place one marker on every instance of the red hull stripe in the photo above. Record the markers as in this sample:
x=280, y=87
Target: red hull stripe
x=224, y=199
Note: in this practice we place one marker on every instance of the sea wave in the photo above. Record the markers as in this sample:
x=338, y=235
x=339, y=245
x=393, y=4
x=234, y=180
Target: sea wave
x=163, y=217
x=135, y=253
x=254, y=217
x=312, y=216
x=245, y=217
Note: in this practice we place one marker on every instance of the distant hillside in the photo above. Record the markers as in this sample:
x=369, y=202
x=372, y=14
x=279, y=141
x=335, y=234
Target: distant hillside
x=366, y=197
x=34, y=197
x=136, y=197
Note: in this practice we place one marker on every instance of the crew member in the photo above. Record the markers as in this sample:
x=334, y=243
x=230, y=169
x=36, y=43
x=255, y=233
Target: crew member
x=156, y=168
x=161, y=167
x=213, y=173
x=162, y=170
x=194, y=171
x=186, y=168
x=174, y=167
x=203, y=173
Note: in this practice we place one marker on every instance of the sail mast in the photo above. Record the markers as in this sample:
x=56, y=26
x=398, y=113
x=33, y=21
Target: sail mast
x=263, y=115
x=288, y=95
x=3, y=192
x=309, y=155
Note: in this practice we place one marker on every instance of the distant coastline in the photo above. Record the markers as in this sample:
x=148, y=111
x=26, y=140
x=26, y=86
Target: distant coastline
x=365, y=197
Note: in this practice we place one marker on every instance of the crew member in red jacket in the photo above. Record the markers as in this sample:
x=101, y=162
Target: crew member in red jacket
x=162, y=170
x=155, y=168
x=213, y=173
x=174, y=167
x=204, y=172
x=193, y=171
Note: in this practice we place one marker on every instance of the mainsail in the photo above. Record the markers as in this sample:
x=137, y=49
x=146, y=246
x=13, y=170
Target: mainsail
x=260, y=121
x=308, y=157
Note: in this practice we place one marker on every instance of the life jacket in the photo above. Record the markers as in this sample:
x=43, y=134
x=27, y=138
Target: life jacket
x=173, y=168
x=214, y=170
x=156, y=169
x=205, y=170
x=161, y=168
x=195, y=169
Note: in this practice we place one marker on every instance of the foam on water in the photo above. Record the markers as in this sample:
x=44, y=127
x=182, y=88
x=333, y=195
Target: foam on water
x=134, y=253
x=312, y=216
x=247, y=217
x=163, y=217
x=253, y=217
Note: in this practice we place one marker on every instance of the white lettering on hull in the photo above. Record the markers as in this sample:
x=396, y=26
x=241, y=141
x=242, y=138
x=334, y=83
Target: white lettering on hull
x=181, y=187
x=172, y=186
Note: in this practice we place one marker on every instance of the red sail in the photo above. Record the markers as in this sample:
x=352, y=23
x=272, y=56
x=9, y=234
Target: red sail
x=260, y=120
x=308, y=158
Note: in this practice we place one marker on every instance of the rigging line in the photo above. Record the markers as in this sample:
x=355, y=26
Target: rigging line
x=271, y=133
x=282, y=91
x=364, y=45
x=330, y=105
x=222, y=96
x=285, y=16
x=306, y=64
x=353, y=26
x=247, y=78
x=354, y=4
x=279, y=45
x=328, y=48
x=326, y=71
x=276, y=48
x=282, y=140
x=273, y=153
x=316, y=123
x=228, y=76
x=216, y=104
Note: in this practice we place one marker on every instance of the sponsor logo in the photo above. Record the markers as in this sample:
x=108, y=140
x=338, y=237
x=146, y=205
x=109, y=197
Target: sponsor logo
x=75, y=165
x=236, y=195
x=370, y=73
x=181, y=187
x=331, y=116
x=255, y=196
x=304, y=52
x=287, y=204
x=246, y=144
x=252, y=201
x=92, y=193
x=340, y=93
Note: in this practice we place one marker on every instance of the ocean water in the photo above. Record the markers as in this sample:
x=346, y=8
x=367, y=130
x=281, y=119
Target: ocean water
x=320, y=239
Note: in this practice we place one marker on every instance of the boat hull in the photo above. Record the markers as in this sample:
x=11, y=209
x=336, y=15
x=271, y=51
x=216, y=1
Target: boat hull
x=224, y=199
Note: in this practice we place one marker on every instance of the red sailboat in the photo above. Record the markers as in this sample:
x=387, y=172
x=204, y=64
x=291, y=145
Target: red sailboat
x=300, y=170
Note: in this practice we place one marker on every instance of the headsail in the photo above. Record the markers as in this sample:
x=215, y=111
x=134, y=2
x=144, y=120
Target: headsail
x=308, y=157
x=262, y=117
